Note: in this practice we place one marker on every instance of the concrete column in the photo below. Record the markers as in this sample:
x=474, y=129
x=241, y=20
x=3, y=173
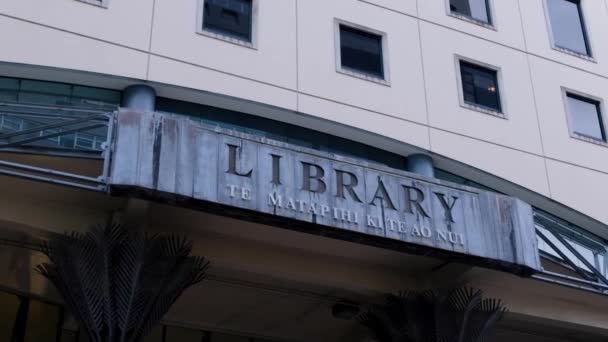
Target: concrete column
x=139, y=97
x=421, y=164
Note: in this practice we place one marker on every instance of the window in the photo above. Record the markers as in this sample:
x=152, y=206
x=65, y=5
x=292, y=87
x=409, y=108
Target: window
x=280, y=131
x=480, y=86
x=567, y=26
x=32, y=104
x=477, y=10
x=585, y=117
x=229, y=18
x=360, y=53
x=25, y=91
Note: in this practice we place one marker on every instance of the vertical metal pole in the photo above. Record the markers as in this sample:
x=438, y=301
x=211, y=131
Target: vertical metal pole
x=421, y=164
x=59, y=325
x=20, y=325
x=139, y=97
x=107, y=158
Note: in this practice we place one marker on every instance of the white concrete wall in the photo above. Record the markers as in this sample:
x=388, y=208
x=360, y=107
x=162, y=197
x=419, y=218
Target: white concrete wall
x=293, y=68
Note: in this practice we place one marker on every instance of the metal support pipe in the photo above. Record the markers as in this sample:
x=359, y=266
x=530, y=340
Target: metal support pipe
x=139, y=97
x=421, y=164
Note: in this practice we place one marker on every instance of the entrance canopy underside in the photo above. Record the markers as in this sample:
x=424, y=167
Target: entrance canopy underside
x=279, y=284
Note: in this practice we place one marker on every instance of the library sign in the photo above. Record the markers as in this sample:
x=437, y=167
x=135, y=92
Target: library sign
x=163, y=156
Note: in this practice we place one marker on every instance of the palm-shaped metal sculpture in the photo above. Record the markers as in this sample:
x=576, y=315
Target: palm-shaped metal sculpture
x=460, y=315
x=120, y=282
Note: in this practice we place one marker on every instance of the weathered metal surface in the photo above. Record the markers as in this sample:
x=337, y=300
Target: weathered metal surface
x=168, y=156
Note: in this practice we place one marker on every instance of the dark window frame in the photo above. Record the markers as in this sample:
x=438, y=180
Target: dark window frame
x=600, y=116
x=248, y=40
x=383, y=76
x=499, y=111
x=489, y=13
x=584, y=29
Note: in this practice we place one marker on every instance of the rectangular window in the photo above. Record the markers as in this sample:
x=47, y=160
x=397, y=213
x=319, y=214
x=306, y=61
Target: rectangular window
x=232, y=18
x=53, y=93
x=586, y=117
x=477, y=10
x=361, y=51
x=480, y=86
x=567, y=25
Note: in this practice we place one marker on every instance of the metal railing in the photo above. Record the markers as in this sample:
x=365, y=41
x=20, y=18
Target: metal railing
x=52, y=129
x=58, y=131
x=582, y=258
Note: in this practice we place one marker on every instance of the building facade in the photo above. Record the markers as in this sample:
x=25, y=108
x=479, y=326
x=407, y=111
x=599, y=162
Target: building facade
x=187, y=116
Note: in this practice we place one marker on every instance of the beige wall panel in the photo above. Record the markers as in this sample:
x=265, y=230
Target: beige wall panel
x=123, y=22
x=390, y=128
x=49, y=47
x=521, y=168
x=579, y=188
x=505, y=16
x=404, y=6
x=173, y=72
x=317, y=58
x=549, y=78
x=538, y=37
x=273, y=61
x=441, y=47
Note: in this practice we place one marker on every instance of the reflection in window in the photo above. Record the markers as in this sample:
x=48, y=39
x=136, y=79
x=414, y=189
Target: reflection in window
x=567, y=25
x=361, y=51
x=57, y=94
x=229, y=17
x=474, y=9
x=480, y=86
x=586, y=117
x=279, y=131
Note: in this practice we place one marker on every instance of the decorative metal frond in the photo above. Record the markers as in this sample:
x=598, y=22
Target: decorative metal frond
x=118, y=282
x=458, y=315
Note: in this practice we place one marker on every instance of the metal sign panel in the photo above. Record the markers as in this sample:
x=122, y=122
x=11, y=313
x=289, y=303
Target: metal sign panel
x=169, y=155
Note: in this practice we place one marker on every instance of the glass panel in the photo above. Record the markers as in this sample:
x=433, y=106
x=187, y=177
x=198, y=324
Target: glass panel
x=480, y=86
x=279, y=131
x=10, y=123
x=46, y=99
x=52, y=93
x=475, y=9
x=361, y=51
x=42, y=322
x=46, y=87
x=9, y=88
x=94, y=96
x=8, y=96
x=183, y=334
x=567, y=25
x=9, y=83
x=231, y=17
x=585, y=117
x=85, y=141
